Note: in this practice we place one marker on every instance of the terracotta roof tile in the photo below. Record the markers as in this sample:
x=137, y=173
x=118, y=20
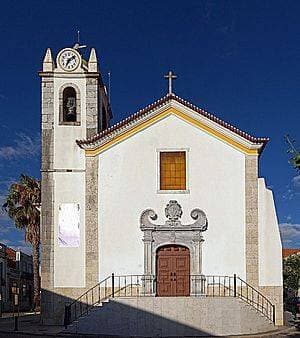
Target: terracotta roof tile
x=289, y=252
x=167, y=98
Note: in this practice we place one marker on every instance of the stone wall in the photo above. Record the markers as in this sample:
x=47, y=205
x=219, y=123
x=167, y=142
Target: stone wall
x=273, y=293
x=251, y=200
x=92, y=106
x=91, y=222
x=54, y=298
x=275, y=296
x=47, y=102
x=47, y=192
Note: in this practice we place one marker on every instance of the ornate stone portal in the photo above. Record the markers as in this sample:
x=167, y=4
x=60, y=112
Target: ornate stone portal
x=173, y=232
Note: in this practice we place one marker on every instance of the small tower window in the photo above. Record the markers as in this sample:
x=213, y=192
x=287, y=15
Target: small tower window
x=69, y=105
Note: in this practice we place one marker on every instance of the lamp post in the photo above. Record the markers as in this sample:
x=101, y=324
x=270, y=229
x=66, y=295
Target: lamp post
x=15, y=292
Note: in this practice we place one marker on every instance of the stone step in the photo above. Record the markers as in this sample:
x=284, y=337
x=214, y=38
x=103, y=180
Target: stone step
x=172, y=316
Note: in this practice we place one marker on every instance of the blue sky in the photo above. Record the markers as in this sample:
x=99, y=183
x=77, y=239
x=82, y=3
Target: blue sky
x=237, y=59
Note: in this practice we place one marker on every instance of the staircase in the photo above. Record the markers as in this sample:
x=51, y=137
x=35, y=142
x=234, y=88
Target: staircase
x=172, y=316
x=125, y=306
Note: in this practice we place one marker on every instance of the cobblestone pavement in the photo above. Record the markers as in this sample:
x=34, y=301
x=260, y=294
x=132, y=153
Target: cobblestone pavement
x=28, y=325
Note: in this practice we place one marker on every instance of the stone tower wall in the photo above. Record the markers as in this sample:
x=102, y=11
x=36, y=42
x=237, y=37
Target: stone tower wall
x=56, y=170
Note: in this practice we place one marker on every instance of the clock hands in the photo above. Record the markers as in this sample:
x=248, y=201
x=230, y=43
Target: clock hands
x=70, y=59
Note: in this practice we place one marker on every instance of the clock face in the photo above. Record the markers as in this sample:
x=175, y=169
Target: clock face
x=69, y=60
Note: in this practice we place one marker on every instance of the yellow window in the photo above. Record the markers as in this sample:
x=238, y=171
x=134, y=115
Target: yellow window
x=173, y=170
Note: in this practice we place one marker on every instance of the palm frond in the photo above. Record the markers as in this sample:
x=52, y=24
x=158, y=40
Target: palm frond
x=21, y=206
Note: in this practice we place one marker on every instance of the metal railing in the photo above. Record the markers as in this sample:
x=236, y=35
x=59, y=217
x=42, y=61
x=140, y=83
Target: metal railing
x=134, y=286
x=249, y=294
x=146, y=285
x=110, y=287
x=233, y=286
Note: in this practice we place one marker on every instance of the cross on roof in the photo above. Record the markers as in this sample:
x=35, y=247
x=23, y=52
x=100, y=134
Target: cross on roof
x=170, y=76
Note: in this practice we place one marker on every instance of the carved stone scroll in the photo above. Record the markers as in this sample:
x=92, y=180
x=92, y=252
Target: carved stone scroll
x=201, y=220
x=144, y=219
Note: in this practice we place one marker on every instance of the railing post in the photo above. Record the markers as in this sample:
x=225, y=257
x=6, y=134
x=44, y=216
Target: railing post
x=234, y=285
x=113, y=285
x=16, y=328
x=99, y=293
x=273, y=314
x=67, y=319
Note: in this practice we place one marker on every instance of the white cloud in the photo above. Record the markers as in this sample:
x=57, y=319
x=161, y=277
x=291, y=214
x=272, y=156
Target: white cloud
x=22, y=246
x=24, y=146
x=296, y=181
x=289, y=194
x=288, y=218
x=25, y=249
x=6, y=242
x=290, y=234
x=5, y=229
x=18, y=246
x=292, y=190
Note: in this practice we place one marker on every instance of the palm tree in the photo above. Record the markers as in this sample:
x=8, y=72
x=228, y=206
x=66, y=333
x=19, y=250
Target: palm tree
x=22, y=205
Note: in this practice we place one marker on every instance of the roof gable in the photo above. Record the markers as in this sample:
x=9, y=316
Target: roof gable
x=167, y=105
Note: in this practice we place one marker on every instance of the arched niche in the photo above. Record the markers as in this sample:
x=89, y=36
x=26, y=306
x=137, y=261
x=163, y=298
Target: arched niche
x=69, y=105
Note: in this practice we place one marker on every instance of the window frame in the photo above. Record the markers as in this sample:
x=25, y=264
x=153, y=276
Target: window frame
x=171, y=150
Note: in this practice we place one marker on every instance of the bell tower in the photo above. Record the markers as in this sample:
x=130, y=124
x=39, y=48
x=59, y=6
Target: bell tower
x=74, y=105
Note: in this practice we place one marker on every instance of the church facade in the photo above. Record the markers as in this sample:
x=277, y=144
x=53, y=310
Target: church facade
x=168, y=193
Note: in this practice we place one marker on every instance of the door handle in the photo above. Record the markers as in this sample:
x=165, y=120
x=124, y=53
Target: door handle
x=173, y=274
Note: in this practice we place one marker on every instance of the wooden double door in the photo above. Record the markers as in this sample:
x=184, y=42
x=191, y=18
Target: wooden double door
x=173, y=271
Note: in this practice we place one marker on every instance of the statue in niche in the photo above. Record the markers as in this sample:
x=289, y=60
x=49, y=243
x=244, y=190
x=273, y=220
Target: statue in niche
x=69, y=105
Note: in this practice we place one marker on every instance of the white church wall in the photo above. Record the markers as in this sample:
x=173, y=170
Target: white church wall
x=67, y=153
x=69, y=188
x=128, y=185
x=270, y=249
